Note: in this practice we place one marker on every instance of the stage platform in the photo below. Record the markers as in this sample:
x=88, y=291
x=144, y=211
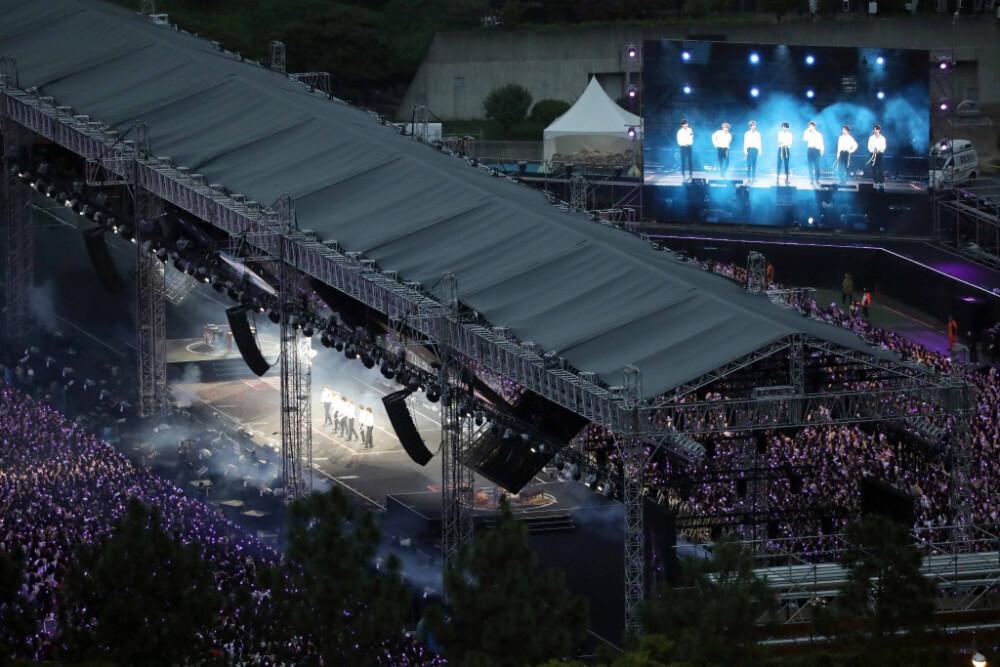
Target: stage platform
x=901, y=208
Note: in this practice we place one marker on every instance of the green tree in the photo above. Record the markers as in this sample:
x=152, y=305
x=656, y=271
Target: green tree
x=885, y=594
x=508, y=104
x=546, y=111
x=329, y=590
x=505, y=613
x=141, y=597
x=716, y=617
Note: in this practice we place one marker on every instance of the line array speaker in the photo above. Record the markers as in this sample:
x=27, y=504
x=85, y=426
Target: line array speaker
x=406, y=430
x=107, y=272
x=245, y=341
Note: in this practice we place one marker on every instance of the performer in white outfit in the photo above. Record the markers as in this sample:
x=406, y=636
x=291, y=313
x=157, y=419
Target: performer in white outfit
x=876, y=146
x=784, y=151
x=751, y=150
x=814, y=150
x=685, y=139
x=846, y=145
x=721, y=139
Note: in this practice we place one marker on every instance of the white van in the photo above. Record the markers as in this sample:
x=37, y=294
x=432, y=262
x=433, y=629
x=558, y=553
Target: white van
x=953, y=162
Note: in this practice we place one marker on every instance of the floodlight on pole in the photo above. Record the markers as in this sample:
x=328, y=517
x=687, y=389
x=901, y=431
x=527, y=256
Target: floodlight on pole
x=978, y=660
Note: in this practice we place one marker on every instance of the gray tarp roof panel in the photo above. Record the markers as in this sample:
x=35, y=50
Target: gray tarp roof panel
x=599, y=297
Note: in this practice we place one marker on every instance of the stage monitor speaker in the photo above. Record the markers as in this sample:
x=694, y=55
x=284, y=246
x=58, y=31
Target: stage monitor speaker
x=239, y=325
x=972, y=314
x=406, y=430
x=880, y=498
x=107, y=272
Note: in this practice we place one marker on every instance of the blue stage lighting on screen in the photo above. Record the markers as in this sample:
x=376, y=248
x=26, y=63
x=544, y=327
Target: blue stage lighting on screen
x=880, y=61
x=687, y=90
x=754, y=58
x=810, y=93
x=755, y=91
x=810, y=60
x=880, y=94
x=685, y=56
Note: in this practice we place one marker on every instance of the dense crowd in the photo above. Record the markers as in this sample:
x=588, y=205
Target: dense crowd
x=786, y=485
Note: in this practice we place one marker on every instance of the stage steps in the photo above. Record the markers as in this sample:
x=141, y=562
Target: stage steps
x=540, y=522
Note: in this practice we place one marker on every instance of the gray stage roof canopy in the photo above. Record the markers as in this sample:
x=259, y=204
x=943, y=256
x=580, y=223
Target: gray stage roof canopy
x=599, y=297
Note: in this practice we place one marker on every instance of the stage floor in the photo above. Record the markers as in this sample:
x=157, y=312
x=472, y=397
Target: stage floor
x=766, y=181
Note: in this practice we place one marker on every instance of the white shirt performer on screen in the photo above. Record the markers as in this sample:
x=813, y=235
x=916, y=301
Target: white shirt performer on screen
x=846, y=145
x=784, y=151
x=685, y=139
x=876, y=146
x=814, y=151
x=751, y=149
x=721, y=139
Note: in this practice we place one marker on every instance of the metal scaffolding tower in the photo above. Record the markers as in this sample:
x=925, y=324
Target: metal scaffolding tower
x=15, y=221
x=756, y=272
x=296, y=373
x=578, y=193
x=277, y=52
x=631, y=448
x=457, y=478
x=151, y=324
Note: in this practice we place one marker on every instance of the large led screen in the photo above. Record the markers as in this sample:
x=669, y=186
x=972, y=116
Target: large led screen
x=797, y=165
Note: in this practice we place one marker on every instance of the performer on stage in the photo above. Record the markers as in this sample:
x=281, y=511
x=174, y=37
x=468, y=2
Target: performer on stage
x=784, y=151
x=751, y=149
x=846, y=145
x=326, y=398
x=721, y=140
x=814, y=150
x=876, y=146
x=685, y=139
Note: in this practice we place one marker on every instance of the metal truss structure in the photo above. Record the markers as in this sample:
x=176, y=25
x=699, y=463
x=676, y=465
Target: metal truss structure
x=874, y=387
x=296, y=374
x=578, y=193
x=314, y=81
x=276, y=50
x=973, y=212
x=457, y=478
x=803, y=575
x=151, y=325
x=756, y=272
x=18, y=238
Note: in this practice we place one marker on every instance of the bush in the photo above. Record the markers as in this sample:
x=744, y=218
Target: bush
x=546, y=111
x=508, y=104
x=529, y=130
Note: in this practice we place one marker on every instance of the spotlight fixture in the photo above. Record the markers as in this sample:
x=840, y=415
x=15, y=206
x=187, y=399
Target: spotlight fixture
x=632, y=51
x=687, y=90
x=754, y=92
x=433, y=393
x=880, y=94
x=163, y=255
x=351, y=352
x=274, y=316
x=880, y=61
x=685, y=56
x=754, y=58
x=307, y=330
x=631, y=132
x=810, y=60
x=810, y=93
x=633, y=91
x=387, y=370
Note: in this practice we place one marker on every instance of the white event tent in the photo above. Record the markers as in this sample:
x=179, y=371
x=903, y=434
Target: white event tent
x=594, y=123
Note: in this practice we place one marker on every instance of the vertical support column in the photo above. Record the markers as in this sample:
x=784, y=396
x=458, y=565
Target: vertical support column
x=960, y=458
x=633, y=482
x=277, y=52
x=578, y=193
x=15, y=222
x=796, y=377
x=756, y=272
x=457, y=478
x=151, y=321
x=296, y=372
